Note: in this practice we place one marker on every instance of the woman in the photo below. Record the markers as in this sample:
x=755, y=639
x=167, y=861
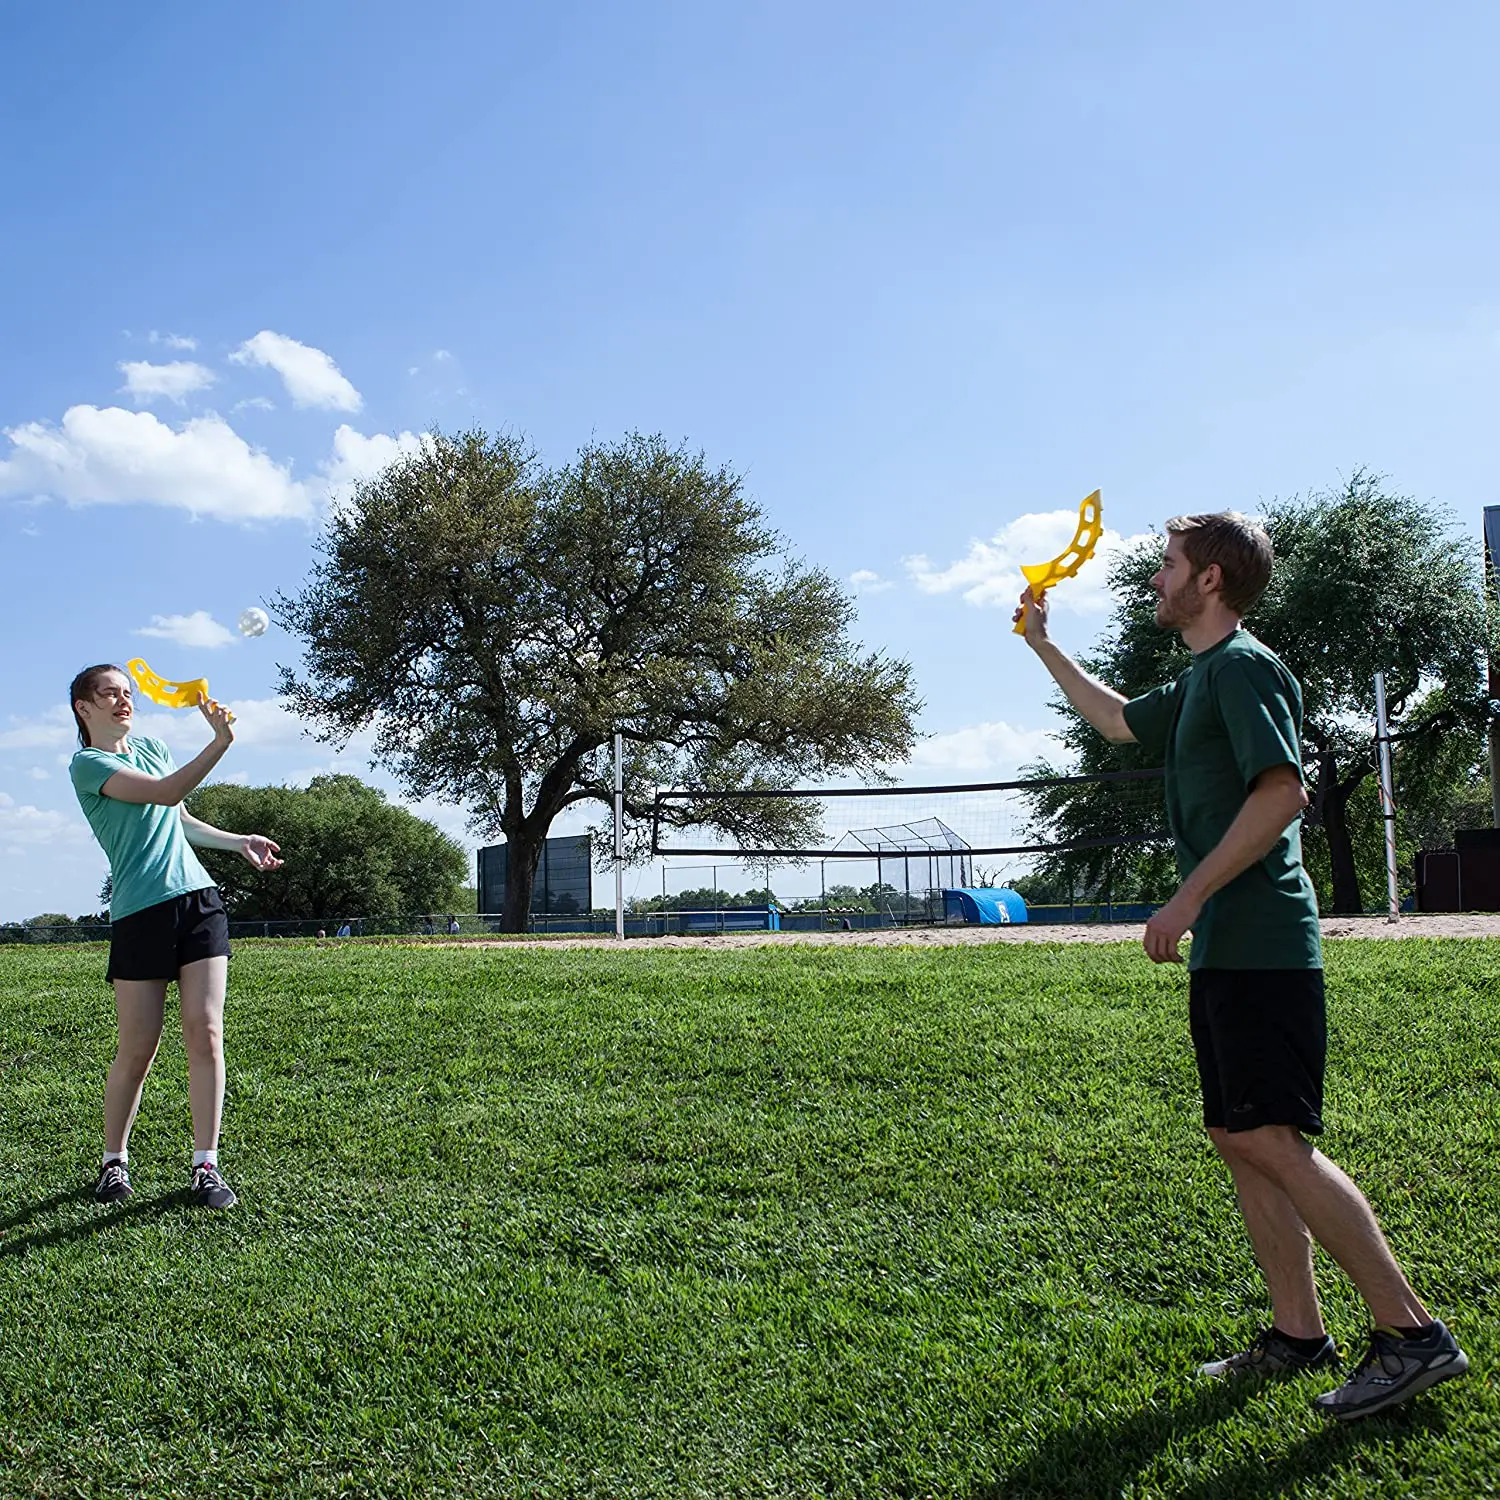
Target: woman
x=167, y=919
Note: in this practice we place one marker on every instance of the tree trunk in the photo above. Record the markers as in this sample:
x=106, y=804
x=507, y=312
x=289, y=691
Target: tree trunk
x=524, y=851
x=1331, y=807
x=1348, y=900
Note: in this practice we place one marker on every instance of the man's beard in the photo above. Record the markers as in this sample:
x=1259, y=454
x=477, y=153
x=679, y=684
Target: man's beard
x=1178, y=610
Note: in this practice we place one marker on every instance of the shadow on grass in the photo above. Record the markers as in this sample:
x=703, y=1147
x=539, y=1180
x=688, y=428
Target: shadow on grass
x=1102, y=1458
x=110, y=1216
x=1289, y=1473
x=46, y=1206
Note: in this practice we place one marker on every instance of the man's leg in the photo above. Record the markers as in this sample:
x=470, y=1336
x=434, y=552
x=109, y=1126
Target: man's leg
x=1229, y=1069
x=1330, y=1206
x=201, y=986
x=138, y=1007
x=1281, y=1241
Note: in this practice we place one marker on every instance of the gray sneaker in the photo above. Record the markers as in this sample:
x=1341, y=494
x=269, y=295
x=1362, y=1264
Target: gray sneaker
x=113, y=1185
x=1393, y=1370
x=209, y=1190
x=1270, y=1354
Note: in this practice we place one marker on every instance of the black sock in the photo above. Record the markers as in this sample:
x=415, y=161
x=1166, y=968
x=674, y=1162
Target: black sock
x=1421, y=1331
x=1302, y=1346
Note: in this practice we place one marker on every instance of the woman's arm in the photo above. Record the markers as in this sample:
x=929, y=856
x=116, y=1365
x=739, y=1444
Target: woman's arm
x=168, y=791
x=254, y=847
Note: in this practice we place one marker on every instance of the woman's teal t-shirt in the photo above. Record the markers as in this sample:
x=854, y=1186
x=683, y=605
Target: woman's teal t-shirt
x=150, y=859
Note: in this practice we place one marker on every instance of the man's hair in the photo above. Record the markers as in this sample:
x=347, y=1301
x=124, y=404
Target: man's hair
x=1239, y=546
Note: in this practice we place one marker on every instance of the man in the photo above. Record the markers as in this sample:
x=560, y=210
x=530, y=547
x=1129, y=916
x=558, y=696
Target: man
x=1229, y=730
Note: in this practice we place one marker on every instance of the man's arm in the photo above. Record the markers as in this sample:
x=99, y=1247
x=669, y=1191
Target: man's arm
x=1101, y=706
x=1276, y=798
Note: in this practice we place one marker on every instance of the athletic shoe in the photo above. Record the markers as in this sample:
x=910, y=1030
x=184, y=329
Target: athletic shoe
x=1271, y=1354
x=114, y=1183
x=1394, y=1369
x=209, y=1189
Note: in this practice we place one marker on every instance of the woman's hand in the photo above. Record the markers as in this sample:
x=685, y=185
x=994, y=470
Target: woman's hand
x=219, y=719
x=261, y=851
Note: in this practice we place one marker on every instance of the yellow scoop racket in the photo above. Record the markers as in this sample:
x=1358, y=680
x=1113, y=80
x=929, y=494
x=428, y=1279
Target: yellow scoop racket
x=168, y=694
x=1041, y=576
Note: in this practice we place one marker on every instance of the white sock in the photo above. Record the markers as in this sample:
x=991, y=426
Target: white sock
x=123, y=1157
x=200, y=1157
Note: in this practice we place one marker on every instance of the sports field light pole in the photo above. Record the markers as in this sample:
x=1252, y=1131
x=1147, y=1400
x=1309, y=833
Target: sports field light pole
x=620, y=836
x=1387, y=798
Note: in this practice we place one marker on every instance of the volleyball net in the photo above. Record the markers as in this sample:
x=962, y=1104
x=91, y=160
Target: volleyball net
x=1037, y=819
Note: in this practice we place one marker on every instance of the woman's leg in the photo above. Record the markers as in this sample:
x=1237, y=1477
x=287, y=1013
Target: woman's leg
x=138, y=1005
x=201, y=987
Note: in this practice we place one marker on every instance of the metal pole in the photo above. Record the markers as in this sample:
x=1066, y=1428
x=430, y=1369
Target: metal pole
x=619, y=836
x=1387, y=798
x=1491, y=562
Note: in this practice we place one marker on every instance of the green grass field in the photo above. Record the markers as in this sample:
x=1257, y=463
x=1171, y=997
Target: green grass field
x=791, y=1221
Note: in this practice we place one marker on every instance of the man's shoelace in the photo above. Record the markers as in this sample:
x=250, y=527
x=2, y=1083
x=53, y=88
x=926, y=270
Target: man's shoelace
x=1380, y=1352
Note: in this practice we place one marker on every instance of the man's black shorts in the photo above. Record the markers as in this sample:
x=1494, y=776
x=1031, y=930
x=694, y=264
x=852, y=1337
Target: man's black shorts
x=1261, y=1039
x=155, y=942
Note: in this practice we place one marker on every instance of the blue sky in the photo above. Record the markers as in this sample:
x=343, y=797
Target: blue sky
x=925, y=275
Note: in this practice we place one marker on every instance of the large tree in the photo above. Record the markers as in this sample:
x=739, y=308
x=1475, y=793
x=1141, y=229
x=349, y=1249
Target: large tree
x=497, y=622
x=347, y=852
x=1365, y=581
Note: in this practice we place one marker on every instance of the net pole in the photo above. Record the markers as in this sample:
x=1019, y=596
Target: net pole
x=1387, y=799
x=620, y=836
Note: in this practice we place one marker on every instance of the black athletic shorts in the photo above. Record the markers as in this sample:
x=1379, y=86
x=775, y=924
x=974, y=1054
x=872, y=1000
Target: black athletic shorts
x=157, y=941
x=1261, y=1039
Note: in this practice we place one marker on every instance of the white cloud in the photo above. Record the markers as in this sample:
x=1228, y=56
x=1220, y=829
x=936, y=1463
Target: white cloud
x=454, y=821
x=198, y=629
x=310, y=376
x=303, y=776
x=259, y=724
x=22, y=824
x=176, y=381
x=53, y=730
x=356, y=457
x=253, y=403
x=863, y=581
x=990, y=748
x=441, y=355
x=990, y=573
x=111, y=456
x=40, y=773
x=172, y=340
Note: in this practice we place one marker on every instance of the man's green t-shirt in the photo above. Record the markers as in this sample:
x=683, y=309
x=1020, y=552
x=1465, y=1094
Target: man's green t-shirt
x=150, y=859
x=1237, y=711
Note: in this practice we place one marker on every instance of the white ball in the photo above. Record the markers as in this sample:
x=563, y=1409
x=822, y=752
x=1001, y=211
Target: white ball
x=254, y=622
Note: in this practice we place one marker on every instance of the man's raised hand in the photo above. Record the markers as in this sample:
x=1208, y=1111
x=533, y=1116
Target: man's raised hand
x=1033, y=611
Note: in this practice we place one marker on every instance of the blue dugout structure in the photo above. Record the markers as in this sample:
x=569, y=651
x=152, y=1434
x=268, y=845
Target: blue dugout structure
x=987, y=905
